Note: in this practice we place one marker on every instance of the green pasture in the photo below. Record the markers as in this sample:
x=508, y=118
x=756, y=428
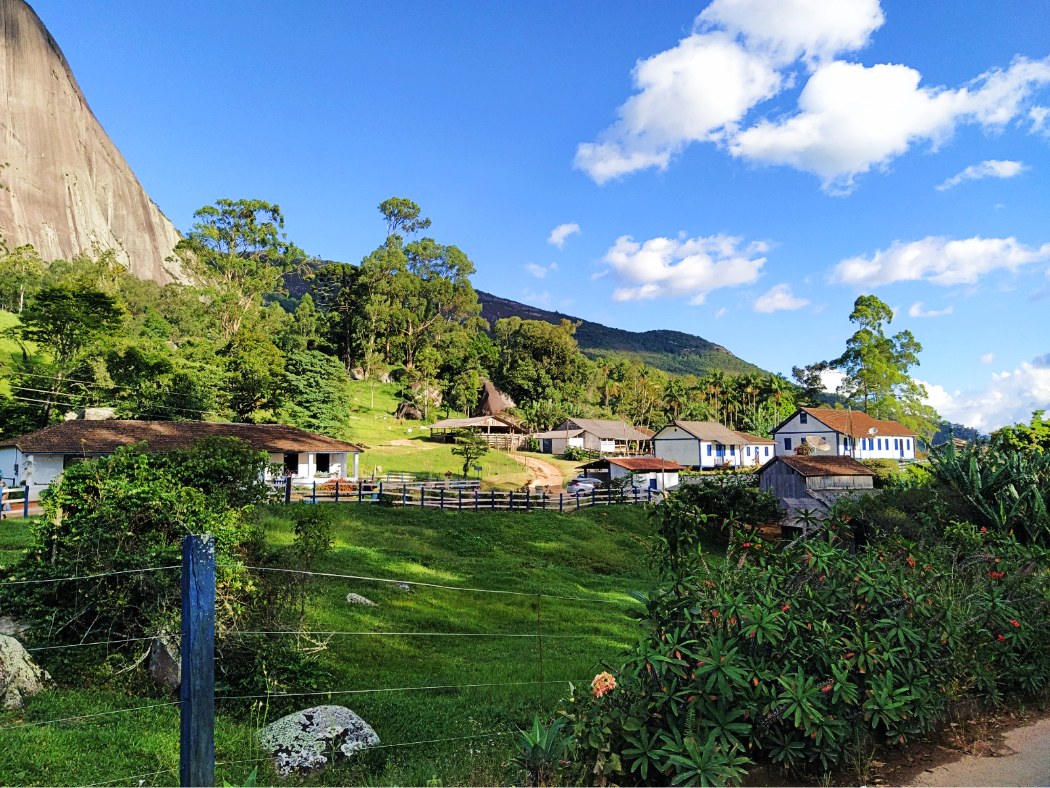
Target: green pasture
x=468, y=637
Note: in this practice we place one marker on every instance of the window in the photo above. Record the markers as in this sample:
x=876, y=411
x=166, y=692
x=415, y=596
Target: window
x=291, y=463
x=787, y=443
x=896, y=443
x=732, y=451
x=709, y=450
x=880, y=444
x=908, y=442
x=767, y=451
x=323, y=463
x=748, y=451
x=803, y=418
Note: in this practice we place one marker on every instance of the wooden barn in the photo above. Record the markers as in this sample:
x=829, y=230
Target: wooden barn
x=813, y=483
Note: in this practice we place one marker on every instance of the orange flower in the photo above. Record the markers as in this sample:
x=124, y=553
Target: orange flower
x=826, y=688
x=603, y=683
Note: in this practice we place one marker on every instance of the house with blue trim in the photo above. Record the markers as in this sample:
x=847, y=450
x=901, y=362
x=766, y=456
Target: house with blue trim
x=843, y=433
x=708, y=444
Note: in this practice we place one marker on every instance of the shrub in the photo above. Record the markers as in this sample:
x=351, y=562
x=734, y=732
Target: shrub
x=804, y=656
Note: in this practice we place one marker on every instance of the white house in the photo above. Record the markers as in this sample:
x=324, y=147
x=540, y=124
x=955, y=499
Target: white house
x=601, y=435
x=844, y=433
x=646, y=472
x=708, y=444
x=40, y=457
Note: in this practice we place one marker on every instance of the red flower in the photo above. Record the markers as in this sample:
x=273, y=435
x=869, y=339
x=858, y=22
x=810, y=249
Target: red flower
x=785, y=608
x=911, y=561
x=997, y=575
x=715, y=614
x=984, y=530
x=1000, y=637
x=826, y=688
x=747, y=544
x=1015, y=622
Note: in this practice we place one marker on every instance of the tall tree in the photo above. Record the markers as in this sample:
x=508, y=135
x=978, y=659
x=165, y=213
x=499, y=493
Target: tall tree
x=240, y=248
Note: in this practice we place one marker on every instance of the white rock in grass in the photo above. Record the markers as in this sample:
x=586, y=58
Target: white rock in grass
x=310, y=739
x=357, y=599
x=20, y=677
x=403, y=587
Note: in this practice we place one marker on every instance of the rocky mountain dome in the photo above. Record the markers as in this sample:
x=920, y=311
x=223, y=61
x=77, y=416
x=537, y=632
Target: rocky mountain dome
x=64, y=186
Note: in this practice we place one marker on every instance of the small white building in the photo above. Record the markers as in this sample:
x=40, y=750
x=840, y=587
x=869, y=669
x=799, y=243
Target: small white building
x=708, y=444
x=844, y=433
x=646, y=472
x=605, y=436
x=40, y=457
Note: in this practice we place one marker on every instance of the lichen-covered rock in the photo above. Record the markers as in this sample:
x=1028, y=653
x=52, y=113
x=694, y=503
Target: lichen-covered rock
x=20, y=677
x=11, y=626
x=357, y=599
x=312, y=738
x=165, y=661
x=403, y=587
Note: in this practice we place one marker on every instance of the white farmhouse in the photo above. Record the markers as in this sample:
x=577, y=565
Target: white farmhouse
x=844, y=433
x=650, y=473
x=38, y=458
x=708, y=444
x=600, y=435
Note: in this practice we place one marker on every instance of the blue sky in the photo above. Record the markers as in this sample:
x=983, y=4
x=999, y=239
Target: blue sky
x=740, y=169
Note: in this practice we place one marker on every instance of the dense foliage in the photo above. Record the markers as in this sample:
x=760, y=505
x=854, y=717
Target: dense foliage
x=809, y=655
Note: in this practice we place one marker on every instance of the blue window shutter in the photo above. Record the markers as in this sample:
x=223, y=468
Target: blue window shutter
x=787, y=443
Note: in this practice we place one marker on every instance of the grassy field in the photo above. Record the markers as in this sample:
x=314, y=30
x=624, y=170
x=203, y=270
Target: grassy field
x=393, y=445
x=471, y=637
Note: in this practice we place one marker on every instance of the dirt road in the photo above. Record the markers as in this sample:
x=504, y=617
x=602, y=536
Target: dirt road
x=542, y=473
x=1026, y=762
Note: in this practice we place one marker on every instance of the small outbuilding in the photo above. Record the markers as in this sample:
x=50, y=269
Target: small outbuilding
x=646, y=472
x=604, y=436
x=500, y=432
x=813, y=483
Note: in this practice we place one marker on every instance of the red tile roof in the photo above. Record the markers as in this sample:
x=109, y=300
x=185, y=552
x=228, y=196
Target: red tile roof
x=747, y=437
x=821, y=466
x=102, y=437
x=857, y=423
x=642, y=464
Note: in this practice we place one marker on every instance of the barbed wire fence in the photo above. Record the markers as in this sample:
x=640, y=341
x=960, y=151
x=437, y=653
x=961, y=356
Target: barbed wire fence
x=198, y=696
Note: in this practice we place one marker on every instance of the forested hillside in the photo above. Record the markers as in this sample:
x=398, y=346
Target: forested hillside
x=671, y=351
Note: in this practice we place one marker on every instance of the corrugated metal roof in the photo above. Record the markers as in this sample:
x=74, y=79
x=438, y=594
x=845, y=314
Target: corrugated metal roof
x=710, y=431
x=609, y=429
x=821, y=466
x=102, y=437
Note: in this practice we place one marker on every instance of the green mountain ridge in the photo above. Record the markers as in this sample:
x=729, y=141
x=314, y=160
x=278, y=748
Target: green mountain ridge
x=671, y=351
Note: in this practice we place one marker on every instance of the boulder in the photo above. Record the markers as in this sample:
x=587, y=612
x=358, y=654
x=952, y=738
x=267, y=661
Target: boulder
x=165, y=661
x=406, y=410
x=20, y=677
x=11, y=626
x=403, y=587
x=310, y=739
x=357, y=599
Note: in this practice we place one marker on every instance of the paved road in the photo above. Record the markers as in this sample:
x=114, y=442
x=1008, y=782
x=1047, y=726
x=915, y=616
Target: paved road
x=1029, y=765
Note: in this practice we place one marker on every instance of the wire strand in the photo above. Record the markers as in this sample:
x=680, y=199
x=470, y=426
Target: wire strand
x=89, y=577
x=133, y=777
x=333, y=633
x=91, y=643
x=89, y=716
x=394, y=689
x=433, y=585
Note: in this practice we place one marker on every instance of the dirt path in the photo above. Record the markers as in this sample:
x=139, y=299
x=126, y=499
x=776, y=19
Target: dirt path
x=1022, y=759
x=545, y=474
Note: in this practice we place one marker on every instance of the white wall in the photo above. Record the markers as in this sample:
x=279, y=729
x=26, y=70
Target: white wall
x=888, y=447
x=676, y=445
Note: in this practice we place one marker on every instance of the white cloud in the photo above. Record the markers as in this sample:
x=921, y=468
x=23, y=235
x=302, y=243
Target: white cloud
x=790, y=29
x=831, y=379
x=993, y=168
x=777, y=299
x=536, y=299
x=988, y=358
x=561, y=232
x=540, y=271
x=939, y=260
x=721, y=313
x=853, y=118
x=686, y=94
x=666, y=268
x=850, y=118
x=1007, y=398
x=917, y=310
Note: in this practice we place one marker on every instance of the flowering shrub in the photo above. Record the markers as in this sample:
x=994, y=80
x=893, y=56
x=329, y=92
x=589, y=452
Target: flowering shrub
x=805, y=655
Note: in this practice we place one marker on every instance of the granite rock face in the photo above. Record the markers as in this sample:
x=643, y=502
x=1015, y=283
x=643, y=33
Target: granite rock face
x=64, y=186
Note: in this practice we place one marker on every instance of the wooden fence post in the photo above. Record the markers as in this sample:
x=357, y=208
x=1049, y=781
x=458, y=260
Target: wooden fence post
x=197, y=690
x=459, y=508
x=25, y=501
x=287, y=490
x=441, y=499
x=313, y=493
x=379, y=500
x=404, y=494
x=561, y=503
x=337, y=491
x=476, y=499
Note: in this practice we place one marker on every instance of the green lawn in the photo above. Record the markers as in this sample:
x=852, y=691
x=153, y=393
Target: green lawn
x=597, y=555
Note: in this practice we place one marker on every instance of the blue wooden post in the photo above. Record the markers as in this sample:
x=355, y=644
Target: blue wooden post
x=475, y=499
x=528, y=500
x=512, y=500
x=337, y=491
x=25, y=501
x=404, y=495
x=422, y=495
x=441, y=499
x=577, y=500
x=197, y=691
x=492, y=499
x=379, y=500
x=287, y=490
x=460, y=507
x=313, y=493
x=594, y=496
x=561, y=502
x=360, y=491
x=648, y=494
